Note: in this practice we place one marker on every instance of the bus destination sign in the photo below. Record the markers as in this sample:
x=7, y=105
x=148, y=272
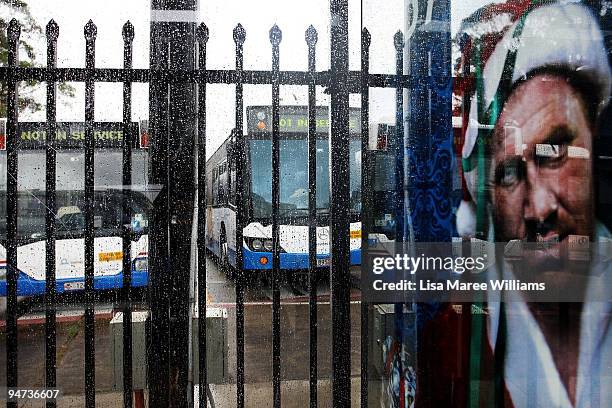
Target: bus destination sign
x=71, y=135
x=294, y=119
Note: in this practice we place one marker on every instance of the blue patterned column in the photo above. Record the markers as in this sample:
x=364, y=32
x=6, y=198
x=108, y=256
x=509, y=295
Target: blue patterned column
x=428, y=141
x=429, y=135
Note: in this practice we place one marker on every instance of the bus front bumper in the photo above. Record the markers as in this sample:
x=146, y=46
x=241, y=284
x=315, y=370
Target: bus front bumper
x=26, y=286
x=263, y=260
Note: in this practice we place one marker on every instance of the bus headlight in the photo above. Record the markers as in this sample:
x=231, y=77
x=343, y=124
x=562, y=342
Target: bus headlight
x=257, y=244
x=141, y=264
x=268, y=245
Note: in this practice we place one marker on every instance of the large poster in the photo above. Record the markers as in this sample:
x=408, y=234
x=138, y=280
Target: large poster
x=531, y=119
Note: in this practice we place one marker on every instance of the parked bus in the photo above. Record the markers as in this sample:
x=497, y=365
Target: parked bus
x=385, y=194
x=293, y=211
x=70, y=209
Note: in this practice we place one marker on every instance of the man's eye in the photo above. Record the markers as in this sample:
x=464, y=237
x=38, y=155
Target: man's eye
x=508, y=175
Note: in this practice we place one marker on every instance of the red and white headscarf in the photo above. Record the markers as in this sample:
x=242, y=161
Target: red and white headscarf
x=503, y=44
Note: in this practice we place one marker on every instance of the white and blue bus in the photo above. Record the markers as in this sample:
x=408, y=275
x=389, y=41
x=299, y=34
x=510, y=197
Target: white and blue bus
x=70, y=208
x=293, y=215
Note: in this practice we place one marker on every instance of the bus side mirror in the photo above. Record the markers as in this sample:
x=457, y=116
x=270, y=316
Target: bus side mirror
x=231, y=145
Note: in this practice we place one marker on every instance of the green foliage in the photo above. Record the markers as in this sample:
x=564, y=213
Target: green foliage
x=30, y=31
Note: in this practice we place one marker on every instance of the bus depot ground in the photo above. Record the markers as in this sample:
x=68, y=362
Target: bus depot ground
x=221, y=293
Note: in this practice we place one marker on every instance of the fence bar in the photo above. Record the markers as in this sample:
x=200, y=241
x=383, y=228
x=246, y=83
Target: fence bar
x=339, y=206
x=366, y=201
x=275, y=39
x=401, y=232
x=239, y=37
x=90, y=342
x=158, y=239
x=398, y=41
x=202, y=37
x=52, y=32
x=311, y=40
x=13, y=33
x=128, y=38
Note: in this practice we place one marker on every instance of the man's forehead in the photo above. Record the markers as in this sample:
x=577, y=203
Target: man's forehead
x=534, y=108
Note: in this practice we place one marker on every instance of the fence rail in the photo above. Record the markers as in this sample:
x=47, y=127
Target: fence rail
x=249, y=77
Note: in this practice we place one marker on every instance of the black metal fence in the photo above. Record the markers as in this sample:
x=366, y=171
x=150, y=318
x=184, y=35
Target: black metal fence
x=339, y=81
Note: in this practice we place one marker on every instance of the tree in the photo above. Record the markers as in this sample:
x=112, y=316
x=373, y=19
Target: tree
x=30, y=31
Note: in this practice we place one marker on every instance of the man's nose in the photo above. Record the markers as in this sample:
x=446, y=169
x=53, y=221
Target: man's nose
x=541, y=200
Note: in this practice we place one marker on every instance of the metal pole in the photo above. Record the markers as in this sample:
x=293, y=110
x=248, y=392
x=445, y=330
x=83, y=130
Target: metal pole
x=158, y=234
x=202, y=34
x=340, y=227
x=176, y=21
x=366, y=202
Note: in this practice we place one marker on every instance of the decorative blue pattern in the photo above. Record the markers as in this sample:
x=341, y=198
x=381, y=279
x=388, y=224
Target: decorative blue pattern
x=429, y=149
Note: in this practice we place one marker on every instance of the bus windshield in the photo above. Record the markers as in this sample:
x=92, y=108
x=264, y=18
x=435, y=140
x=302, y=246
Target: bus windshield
x=70, y=214
x=294, y=176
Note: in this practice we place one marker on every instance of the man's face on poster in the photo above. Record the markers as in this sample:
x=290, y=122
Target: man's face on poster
x=542, y=184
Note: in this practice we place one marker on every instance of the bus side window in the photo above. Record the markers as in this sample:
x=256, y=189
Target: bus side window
x=30, y=215
x=215, y=187
x=232, y=182
x=223, y=183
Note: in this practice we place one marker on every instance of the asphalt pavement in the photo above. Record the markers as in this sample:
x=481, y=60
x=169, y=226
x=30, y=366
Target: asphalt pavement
x=220, y=294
